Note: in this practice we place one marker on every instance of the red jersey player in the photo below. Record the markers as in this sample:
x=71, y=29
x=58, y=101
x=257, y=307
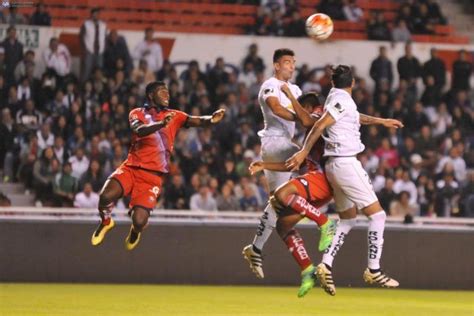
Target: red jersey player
x=140, y=176
x=302, y=196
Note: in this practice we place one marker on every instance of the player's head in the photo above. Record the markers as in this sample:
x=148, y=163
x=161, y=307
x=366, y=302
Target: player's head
x=342, y=77
x=157, y=94
x=310, y=101
x=284, y=63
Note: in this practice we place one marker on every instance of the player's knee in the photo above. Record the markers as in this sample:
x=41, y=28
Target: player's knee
x=276, y=201
x=140, y=219
x=282, y=229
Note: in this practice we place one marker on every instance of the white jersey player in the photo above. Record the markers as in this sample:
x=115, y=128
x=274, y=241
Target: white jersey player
x=351, y=185
x=276, y=138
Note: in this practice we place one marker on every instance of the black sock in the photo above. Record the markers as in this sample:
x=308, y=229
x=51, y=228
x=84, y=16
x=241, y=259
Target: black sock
x=374, y=270
x=256, y=250
x=328, y=267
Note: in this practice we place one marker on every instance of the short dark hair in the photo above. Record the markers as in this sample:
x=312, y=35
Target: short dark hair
x=312, y=98
x=342, y=76
x=153, y=86
x=279, y=53
x=95, y=10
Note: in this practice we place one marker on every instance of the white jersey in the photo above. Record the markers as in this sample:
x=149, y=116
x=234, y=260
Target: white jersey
x=343, y=137
x=274, y=125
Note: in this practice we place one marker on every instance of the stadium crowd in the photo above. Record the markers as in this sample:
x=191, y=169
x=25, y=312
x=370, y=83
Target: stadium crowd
x=62, y=134
x=283, y=18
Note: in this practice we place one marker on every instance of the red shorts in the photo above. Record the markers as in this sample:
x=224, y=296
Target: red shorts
x=144, y=187
x=314, y=187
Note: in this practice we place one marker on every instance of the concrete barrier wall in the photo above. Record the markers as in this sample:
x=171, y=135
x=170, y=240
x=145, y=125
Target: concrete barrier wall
x=211, y=254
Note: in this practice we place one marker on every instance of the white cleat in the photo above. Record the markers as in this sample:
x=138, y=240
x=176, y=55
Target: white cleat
x=379, y=278
x=255, y=260
x=324, y=276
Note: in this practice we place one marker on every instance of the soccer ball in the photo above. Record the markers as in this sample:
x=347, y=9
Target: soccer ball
x=319, y=26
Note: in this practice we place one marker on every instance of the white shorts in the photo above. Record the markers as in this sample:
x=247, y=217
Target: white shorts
x=277, y=149
x=350, y=183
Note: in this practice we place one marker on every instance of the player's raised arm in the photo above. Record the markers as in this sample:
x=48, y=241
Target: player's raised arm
x=142, y=129
x=301, y=114
x=298, y=158
x=258, y=166
x=206, y=120
x=372, y=120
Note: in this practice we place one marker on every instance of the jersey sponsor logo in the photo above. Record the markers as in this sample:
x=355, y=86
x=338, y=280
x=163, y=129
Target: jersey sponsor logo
x=338, y=245
x=339, y=108
x=373, y=247
x=300, y=249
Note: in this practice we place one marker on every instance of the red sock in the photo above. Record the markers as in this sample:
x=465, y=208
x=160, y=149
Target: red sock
x=295, y=245
x=301, y=206
x=106, y=213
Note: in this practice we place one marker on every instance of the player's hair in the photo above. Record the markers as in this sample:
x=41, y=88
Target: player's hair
x=342, y=76
x=152, y=87
x=279, y=53
x=312, y=98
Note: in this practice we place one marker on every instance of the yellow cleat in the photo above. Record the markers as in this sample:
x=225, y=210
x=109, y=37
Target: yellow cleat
x=99, y=233
x=132, y=240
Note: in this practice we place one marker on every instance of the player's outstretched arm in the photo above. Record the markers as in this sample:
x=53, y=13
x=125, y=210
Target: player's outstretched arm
x=372, y=120
x=295, y=161
x=279, y=110
x=258, y=166
x=147, y=129
x=301, y=114
x=206, y=120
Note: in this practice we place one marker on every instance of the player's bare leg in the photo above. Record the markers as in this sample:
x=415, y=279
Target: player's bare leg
x=287, y=196
x=294, y=243
x=324, y=269
x=140, y=217
x=110, y=193
x=374, y=274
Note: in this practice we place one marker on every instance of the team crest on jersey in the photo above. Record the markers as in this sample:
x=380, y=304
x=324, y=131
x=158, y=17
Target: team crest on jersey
x=267, y=91
x=339, y=107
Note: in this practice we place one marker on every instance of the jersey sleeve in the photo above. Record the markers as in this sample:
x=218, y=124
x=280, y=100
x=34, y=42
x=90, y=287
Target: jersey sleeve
x=336, y=109
x=179, y=119
x=269, y=90
x=136, y=117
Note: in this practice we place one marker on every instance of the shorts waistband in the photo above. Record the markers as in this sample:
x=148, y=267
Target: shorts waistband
x=341, y=157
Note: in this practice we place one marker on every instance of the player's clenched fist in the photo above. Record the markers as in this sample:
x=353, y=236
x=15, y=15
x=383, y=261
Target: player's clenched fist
x=295, y=161
x=217, y=116
x=255, y=167
x=286, y=90
x=168, y=118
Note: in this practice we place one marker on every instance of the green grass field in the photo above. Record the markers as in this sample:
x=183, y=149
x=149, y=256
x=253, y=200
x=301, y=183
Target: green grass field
x=91, y=300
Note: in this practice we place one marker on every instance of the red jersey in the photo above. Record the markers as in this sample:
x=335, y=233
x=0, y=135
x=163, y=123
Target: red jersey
x=152, y=152
x=314, y=157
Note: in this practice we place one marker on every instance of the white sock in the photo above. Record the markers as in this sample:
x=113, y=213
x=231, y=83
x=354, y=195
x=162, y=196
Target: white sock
x=265, y=228
x=343, y=228
x=375, y=238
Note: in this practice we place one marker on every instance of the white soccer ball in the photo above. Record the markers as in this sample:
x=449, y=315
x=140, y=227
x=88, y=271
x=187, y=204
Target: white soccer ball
x=319, y=26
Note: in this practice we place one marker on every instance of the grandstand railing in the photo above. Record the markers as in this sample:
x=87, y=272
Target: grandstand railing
x=232, y=218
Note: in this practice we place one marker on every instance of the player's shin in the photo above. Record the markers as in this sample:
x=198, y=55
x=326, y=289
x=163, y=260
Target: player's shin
x=300, y=205
x=265, y=228
x=343, y=228
x=375, y=239
x=105, y=212
x=295, y=245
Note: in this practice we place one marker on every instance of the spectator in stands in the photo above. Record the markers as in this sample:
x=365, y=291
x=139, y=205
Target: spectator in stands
x=401, y=206
x=116, y=48
x=92, y=35
x=432, y=95
x=44, y=171
x=466, y=202
x=58, y=59
x=456, y=161
x=60, y=151
x=462, y=71
x=404, y=183
x=177, y=194
x=434, y=12
x=351, y=11
x=248, y=202
x=442, y=120
x=142, y=75
x=8, y=133
x=40, y=17
x=13, y=17
x=296, y=26
x=22, y=66
x=388, y=153
x=422, y=21
x=333, y=8
x=401, y=33
x=381, y=69
x=87, y=198
x=2, y=65
x=408, y=67
x=377, y=28
x=447, y=195
x=150, y=50
x=65, y=187
x=436, y=68
x=405, y=14
x=203, y=200
x=226, y=201
x=45, y=137
x=218, y=74
x=79, y=163
x=253, y=58
x=4, y=200
x=13, y=54
x=94, y=176
x=29, y=118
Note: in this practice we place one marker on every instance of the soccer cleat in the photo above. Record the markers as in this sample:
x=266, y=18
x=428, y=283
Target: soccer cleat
x=327, y=234
x=379, y=278
x=308, y=278
x=255, y=260
x=132, y=240
x=324, y=276
x=99, y=233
